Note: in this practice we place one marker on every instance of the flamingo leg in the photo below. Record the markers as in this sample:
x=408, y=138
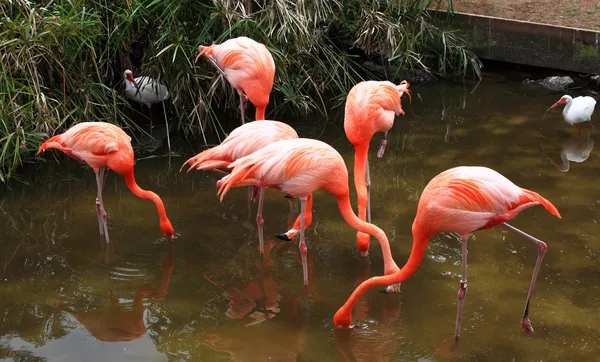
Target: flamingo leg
x=150, y=113
x=462, y=291
x=542, y=247
x=243, y=101
x=382, y=146
x=302, y=245
x=253, y=193
x=141, y=108
x=259, y=220
x=578, y=129
x=368, y=182
x=100, y=205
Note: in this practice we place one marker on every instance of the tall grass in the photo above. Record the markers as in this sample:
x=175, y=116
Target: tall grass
x=62, y=61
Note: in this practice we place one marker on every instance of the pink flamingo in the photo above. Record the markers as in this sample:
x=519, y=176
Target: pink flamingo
x=370, y=108
x=249, y=68
x=299, y=167
x=102, y=145
x=461, y=200
x=242, y=141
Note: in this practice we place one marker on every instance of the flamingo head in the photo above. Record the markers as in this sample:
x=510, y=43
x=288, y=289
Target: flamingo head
x=563, y=100
x=129, y=76
x=403, y=88
x=167, y=228
x=202, y=50
x=343, y=318
x=362, y=243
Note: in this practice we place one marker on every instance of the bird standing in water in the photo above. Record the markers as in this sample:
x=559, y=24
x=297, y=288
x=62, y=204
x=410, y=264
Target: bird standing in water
x=146, y=91
x=242, y=141
x=370, y=108
x=102, y=145
x=299, y=167
x=249, y=68
x=461, y=200
x=577, y=110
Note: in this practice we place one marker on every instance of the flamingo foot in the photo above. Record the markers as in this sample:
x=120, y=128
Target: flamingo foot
x=381, y=149
x=526, y=324
x=287, y=236
x=392, y=289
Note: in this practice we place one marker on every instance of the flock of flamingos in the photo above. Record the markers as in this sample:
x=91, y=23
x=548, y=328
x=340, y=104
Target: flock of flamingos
x=270, y=154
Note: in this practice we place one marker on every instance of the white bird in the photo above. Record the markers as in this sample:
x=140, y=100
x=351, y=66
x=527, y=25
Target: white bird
x=146, y=91
x=577, y=110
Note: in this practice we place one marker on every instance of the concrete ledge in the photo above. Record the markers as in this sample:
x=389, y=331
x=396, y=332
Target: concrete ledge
x=528, y=43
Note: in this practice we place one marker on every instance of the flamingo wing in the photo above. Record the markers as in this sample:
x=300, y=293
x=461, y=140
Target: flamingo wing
x=371, y=107
x=242, y=141
x=297, y=167
x=90, y=141
x=248, y=66
x=467, y=199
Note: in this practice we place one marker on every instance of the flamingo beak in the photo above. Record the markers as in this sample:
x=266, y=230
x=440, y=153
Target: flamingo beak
x=200, y=52
x=558, y=103
x=130, y=77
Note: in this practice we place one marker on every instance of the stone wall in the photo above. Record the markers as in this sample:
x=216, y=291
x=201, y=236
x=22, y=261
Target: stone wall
x=529, y=43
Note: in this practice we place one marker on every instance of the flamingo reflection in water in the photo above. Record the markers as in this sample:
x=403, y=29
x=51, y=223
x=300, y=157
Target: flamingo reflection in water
x=115, y=322
x=260, y=301
x=258, y=298
x=371, y=344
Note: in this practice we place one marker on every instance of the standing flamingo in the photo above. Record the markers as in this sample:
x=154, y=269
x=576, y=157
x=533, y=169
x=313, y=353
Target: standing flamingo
x=577, y=110
x=249, y=68
x=242, y=141
x=299, y=167
x=146, y=91
x=461, y=200
x=370, y=108
x=101, y=145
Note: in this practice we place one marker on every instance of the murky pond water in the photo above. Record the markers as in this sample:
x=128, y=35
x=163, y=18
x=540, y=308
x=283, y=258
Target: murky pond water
x=208, y=296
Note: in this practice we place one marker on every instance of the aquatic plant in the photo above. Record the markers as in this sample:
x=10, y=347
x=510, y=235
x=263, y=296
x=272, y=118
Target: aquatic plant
x=61, y=62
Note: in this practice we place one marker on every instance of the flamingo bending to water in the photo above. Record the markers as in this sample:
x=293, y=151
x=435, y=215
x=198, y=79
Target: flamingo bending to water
x=249, y=68
x=577, y=110
x=299, y=167
x=242, y=141
x=102, y=145
x=370, y=108
x=461, y=200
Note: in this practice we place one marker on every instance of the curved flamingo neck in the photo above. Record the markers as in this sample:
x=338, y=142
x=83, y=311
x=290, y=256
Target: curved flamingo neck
x=343, y=317
x=260, y=113
x=145, y=194
x=348, y=214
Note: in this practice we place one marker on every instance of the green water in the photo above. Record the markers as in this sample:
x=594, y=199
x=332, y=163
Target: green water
x=65, y=297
